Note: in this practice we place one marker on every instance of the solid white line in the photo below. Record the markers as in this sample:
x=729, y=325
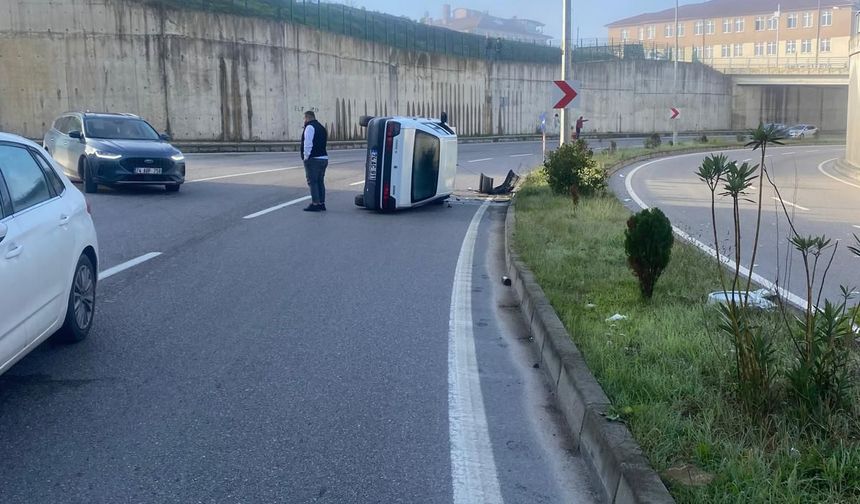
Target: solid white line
x=788, y=153
x=746, y=160
x=473, y=468
x=119, y=268
x=357, y=183
x=479, y=160
x=794, y=299
x=276, y=208
x=821, y=169
x=522, y=155
x=788, y=203
x=858, y=227
x=245, y=174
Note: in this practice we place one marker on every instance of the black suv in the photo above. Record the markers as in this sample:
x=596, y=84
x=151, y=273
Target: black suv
x=114, y=149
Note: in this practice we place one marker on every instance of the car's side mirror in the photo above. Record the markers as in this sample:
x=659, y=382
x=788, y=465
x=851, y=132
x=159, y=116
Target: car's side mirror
x=165, y=137
x=77, y=135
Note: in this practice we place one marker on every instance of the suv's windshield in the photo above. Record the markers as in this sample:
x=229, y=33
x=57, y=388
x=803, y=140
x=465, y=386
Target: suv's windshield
x=119, y=128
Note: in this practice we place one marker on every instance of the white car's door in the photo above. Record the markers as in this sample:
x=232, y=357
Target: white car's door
x=41, y=251
x=13, y=306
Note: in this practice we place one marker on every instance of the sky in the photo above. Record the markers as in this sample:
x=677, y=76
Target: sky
x=590, y=16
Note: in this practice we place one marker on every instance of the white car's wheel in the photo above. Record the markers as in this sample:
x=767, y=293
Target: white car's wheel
x=82, y=303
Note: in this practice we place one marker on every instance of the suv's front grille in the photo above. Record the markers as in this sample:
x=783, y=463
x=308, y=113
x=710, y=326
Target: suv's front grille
x=141, y=162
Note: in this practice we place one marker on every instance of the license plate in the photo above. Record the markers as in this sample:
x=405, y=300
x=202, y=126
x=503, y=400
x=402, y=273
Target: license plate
x=147, y=171
x=373, y=161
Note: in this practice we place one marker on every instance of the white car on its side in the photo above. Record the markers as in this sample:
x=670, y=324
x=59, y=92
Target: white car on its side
x=48, y=253
x=802, y=131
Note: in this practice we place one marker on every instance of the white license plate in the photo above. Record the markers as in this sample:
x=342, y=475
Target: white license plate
x=147, y=171
x=373, y=162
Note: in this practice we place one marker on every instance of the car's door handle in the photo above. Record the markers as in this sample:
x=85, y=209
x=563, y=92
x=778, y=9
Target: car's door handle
x=14, y=252
x=64, y=220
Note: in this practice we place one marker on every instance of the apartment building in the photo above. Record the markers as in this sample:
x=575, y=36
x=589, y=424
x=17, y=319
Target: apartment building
x=754, y=33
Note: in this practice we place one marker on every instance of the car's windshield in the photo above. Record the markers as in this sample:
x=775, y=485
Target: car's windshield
x=120, y=128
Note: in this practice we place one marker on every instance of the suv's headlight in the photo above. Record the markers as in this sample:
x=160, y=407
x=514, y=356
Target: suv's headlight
x=178, y=157
x=92, y=151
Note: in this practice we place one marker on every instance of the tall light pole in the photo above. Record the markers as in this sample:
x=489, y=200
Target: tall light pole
x=818, y=34
x=776, y=16
x=566, y=57
x=675, y=80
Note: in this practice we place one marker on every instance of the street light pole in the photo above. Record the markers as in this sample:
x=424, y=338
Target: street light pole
x=776, y=16
x=566, y=57
x=818, y=34
x=675, y=80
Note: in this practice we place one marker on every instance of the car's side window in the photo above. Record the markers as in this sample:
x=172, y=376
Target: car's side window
x=75, y=124
x=53, y=178
x=62, y=125
x=25, y=180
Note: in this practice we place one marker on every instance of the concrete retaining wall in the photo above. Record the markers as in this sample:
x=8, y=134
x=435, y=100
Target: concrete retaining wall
x=852, y=154
x=215, y=77
x=823, y=106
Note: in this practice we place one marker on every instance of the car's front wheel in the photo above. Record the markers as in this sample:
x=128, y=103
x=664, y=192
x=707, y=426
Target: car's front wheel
x=90, y=185
x=82, y=303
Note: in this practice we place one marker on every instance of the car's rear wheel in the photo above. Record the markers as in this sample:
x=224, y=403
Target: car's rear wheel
x=359, y=200
x=82, y=303
x=90, y=185
x=172, y=187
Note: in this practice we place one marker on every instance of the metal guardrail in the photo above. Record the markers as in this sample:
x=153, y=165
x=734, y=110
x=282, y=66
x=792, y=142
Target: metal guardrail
x=376, y=27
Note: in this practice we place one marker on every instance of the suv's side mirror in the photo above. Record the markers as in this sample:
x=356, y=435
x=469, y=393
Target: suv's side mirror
x=77, y=135
x=164, y=136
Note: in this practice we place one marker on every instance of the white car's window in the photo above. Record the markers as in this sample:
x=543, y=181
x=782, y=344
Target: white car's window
x=425, y=166
x=24, y=178
x=53, y=178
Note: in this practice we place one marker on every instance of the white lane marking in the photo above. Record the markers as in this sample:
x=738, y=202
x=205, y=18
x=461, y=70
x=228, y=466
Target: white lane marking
x=356, y=183
x=788, y=153
x=480, y=160
x=746, y=160
x=821, y=169
x=522, y=155
x=473, y=468
x=119, y=268
x=245, y=174
x=276, y=208
x=794, y=299
x=788, y=203
x=812, y=151
x=858, y=227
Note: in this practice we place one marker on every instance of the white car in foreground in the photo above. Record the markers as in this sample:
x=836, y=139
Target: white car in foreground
x=48, y=253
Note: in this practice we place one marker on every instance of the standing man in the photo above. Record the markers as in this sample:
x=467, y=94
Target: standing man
x=579, y=125
x=315, y=157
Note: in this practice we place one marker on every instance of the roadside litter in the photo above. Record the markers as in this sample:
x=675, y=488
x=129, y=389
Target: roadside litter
x=761, y=299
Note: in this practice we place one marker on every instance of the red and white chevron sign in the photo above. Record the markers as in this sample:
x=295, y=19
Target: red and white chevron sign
x=675, y=113
x=564, y=93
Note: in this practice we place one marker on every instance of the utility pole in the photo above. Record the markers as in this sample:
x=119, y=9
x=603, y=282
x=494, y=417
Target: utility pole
x=675, y=80
x=818, y=35
x=566, y=57
x=776, y=16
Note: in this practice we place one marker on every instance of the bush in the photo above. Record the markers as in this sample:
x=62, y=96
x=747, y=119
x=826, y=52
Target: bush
x=703, y=139
x=741, y=137
x=653, y=141
x=648, y=242
x=571, y=169
x=612, y=146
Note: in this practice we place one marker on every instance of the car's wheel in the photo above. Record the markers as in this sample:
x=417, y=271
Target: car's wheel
x=82, y=303
x=359, y=200
x=172, y=187
x=90, y=185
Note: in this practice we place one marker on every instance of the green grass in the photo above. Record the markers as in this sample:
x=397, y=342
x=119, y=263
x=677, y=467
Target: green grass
x=664, y=370
x=608, y=159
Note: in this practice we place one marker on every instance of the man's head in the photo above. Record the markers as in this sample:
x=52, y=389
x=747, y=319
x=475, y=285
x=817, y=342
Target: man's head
x=580, y=117
x=310, y=116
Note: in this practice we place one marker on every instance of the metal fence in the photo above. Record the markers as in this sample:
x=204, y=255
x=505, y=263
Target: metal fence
x=377, y=27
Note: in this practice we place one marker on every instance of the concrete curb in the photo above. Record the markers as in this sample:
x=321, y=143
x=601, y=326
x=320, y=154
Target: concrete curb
x=847, y=169
x=625, y=474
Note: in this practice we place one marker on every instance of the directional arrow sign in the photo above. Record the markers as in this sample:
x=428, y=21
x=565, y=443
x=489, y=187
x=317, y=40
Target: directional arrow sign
x=675, y=113
x=564, y=93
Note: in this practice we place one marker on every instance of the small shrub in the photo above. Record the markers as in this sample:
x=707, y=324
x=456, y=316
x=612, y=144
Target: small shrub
x=572, y=170
x=648, y=242
x=703, y=139
x=653, y=141
x=741, y=137
x=612, y=146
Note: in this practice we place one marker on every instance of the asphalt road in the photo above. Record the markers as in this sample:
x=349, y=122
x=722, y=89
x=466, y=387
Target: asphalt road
x=819, y=201
x=264, y=354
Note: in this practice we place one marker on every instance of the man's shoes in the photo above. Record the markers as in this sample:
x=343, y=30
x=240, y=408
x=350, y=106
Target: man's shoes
x=313, y=208
x=322, y=207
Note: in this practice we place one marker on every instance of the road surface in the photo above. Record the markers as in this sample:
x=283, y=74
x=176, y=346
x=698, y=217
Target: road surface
x=817, y=198
x=246, y=351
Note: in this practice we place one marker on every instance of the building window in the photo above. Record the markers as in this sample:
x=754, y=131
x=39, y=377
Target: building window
x=790, y=47
x=727, y=25
x=709, y=52
x=625, y=35
x=759, y=24
x=641, y=33
x=772, y=23
x=771, y=48
x=808, y=18
x=698, y=30
x=667, y=31
x=680, y=29
x=792, y=20
x=825, y=45
x=739, y=24
x=726, y=51
x=759, y=48
x=651, y=31
x=710, y=27
x=682, y=54
x=827, y=18
x=806, y=46
x=739, y=50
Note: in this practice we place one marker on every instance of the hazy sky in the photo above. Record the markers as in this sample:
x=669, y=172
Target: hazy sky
x=589, y=15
